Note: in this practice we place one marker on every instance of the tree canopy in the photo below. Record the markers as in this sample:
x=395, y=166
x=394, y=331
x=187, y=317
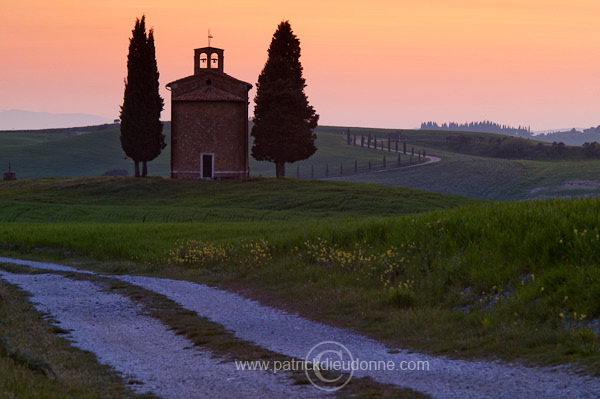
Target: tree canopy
x=141, y=130
x=484, y=127
x=284, y=122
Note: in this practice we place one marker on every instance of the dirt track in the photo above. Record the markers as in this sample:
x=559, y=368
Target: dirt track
x=110, y=326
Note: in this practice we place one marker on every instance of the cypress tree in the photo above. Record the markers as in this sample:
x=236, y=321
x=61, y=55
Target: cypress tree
x=141, y=129
x=283, y=119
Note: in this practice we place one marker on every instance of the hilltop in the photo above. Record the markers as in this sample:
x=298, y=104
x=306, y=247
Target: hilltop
x=478, y=165
x=26, y=120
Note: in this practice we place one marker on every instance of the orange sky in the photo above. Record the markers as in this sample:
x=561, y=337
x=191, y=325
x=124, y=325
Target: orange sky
x=378, y=63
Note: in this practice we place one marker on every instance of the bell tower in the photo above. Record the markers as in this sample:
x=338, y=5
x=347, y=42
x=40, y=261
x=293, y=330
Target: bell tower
x=208, y=59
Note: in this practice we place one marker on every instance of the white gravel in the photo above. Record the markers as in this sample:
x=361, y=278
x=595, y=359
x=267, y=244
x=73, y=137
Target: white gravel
x=294, y=336
x=141, y=348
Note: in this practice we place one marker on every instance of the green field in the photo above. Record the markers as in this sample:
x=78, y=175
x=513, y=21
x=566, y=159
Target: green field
x=35, y=155
x=119, y=199
x=42, y=154
x=437, y=273
x=495, y=178
x=444, y=271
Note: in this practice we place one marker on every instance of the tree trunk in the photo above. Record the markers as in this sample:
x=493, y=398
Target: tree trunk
x=137, y=168
x=280, y=169
x=144, y=169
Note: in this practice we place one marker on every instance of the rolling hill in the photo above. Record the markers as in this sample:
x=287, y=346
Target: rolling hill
x=19, y=119
x=43, y=154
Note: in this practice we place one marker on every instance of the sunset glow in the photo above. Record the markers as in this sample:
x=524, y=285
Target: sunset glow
x=379, y=63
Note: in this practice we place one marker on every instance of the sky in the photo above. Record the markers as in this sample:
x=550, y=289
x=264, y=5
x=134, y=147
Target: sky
x=377, y=63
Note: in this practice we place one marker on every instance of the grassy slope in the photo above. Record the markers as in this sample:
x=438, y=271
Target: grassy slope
x=476, y=177
x=513, y=280
x=36, y=155
x=332, y=151
x=177, y=210
x=55, y=155
x=491, y=178
x=120, y=199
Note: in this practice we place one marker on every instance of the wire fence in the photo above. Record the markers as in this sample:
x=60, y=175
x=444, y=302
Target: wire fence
x=333, y=169
x=399, y=154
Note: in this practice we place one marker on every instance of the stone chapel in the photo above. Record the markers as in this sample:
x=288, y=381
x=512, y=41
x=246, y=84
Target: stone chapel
x=209, y=121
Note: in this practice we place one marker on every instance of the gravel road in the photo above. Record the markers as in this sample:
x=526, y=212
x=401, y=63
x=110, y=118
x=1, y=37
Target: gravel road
x=294, y=336
x=272, y=329
x=142, y=349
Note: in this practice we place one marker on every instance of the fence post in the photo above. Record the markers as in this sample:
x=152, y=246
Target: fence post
x=396, y=145
x=348, y=135
x=413, y=151
x=327, y=169
x=404, y=145
x=398, y=159
x=384, y=164
x=354, y=141
x=362, y=140
x=389, y=144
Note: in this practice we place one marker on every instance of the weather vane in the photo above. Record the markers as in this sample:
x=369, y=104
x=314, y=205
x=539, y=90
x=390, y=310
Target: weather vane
x=209, y=37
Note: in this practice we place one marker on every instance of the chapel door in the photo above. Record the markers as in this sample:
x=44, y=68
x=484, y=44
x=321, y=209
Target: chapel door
x=207, y=165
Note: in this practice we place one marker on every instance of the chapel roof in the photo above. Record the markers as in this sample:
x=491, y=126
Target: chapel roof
x=207, y=93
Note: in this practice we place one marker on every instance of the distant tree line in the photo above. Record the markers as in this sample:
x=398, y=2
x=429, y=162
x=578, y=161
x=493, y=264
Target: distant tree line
x=592, y=149
x=483, y=127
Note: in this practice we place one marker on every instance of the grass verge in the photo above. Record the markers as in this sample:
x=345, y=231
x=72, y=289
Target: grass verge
x=37, y=363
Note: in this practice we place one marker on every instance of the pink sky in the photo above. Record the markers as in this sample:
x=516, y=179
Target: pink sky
x=378, y=63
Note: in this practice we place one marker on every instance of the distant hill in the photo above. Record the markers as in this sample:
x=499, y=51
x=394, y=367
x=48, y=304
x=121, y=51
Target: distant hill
x=29, y=120
x=572, y=137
